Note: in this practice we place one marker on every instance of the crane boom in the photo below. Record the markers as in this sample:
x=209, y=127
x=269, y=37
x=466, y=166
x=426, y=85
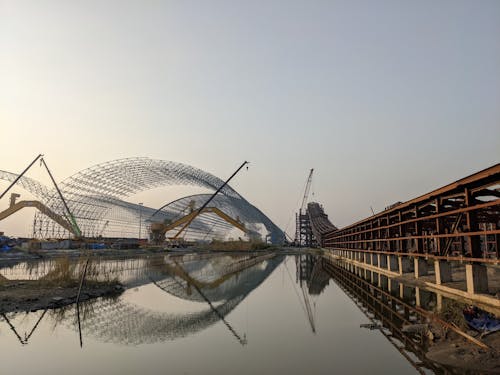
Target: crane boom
x=306, y=191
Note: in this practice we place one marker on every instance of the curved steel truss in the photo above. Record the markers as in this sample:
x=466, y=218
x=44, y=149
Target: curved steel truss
x=96, y=196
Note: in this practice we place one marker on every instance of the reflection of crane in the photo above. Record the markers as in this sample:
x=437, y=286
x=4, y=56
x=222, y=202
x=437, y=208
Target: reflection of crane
x=242, y=341
x=303, y=232
x=305, y=304
x=27, y=336
x=304, y=265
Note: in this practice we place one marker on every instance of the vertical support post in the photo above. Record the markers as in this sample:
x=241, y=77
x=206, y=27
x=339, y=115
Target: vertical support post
x=477, y=278
x=439, y=302
x=420, y=266
x=442, y=270
x=417, y=297
x=404, y=265
x=473, y=242
x=418, y=232
x=438, y=228
x=393, y=263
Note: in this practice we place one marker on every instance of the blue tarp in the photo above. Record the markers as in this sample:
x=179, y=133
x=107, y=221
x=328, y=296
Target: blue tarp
x=481, y=320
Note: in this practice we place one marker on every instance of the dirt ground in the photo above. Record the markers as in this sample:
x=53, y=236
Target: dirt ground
x=31, y=295
x=456, y=351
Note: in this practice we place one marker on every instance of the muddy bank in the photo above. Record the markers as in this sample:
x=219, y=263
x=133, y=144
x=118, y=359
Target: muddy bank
x=457, y=352
x=28, y=295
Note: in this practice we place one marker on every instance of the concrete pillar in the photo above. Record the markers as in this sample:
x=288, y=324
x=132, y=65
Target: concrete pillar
x=420, y=266
x=404, y=265
x=417, y=296
x=439, y=302
x=379, y=280
x=442, y=270
x=393, y=263
x=477, y=278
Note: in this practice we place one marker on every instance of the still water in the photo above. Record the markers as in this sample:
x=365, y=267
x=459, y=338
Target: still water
x=199, y=314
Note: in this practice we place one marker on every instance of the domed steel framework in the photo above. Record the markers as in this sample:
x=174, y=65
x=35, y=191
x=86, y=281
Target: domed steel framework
x=96, y=197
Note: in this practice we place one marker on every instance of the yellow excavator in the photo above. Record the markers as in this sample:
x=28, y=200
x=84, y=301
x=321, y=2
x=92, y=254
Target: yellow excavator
x=16, y=206
x=159, y=229
x=68, y=222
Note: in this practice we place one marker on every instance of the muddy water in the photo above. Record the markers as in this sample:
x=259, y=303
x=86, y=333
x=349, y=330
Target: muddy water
x=255, y=314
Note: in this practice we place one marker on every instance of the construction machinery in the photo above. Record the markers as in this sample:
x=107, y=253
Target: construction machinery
x=16, y=206
x=159, y=229
x=64, y=222
x=303, y=233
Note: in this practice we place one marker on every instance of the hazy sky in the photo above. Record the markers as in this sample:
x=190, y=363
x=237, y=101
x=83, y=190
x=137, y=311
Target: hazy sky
x=385, y=99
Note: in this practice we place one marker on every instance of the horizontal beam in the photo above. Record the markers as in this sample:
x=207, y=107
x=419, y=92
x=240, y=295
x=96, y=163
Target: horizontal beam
x=420, y=255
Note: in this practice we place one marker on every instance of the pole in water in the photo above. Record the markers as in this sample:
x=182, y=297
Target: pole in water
x=78, y=301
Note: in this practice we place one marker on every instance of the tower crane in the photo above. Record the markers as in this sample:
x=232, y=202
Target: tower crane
x=303, y=233
x=306, y=191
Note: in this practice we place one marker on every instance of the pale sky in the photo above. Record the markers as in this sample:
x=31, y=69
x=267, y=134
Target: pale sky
x=387, y=100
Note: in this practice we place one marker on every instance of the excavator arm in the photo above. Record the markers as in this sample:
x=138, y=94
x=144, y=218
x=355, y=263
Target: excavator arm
x=14, y=207
x=159, y=229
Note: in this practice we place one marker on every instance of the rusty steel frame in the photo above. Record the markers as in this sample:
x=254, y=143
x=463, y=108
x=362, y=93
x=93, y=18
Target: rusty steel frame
x=459, y=220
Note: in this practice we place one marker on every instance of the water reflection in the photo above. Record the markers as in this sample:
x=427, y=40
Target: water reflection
x=401, y=313
x=167, y=298
x=218, y=284
x=387, y=313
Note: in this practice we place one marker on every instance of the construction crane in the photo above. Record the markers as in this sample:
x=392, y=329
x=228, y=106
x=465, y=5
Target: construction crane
x=69, y=217
x=194, y=213
x=306, y=191
x=303, y=233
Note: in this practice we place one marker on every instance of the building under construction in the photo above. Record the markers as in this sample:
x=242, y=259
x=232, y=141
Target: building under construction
x=96, y=202
x=311, y=222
